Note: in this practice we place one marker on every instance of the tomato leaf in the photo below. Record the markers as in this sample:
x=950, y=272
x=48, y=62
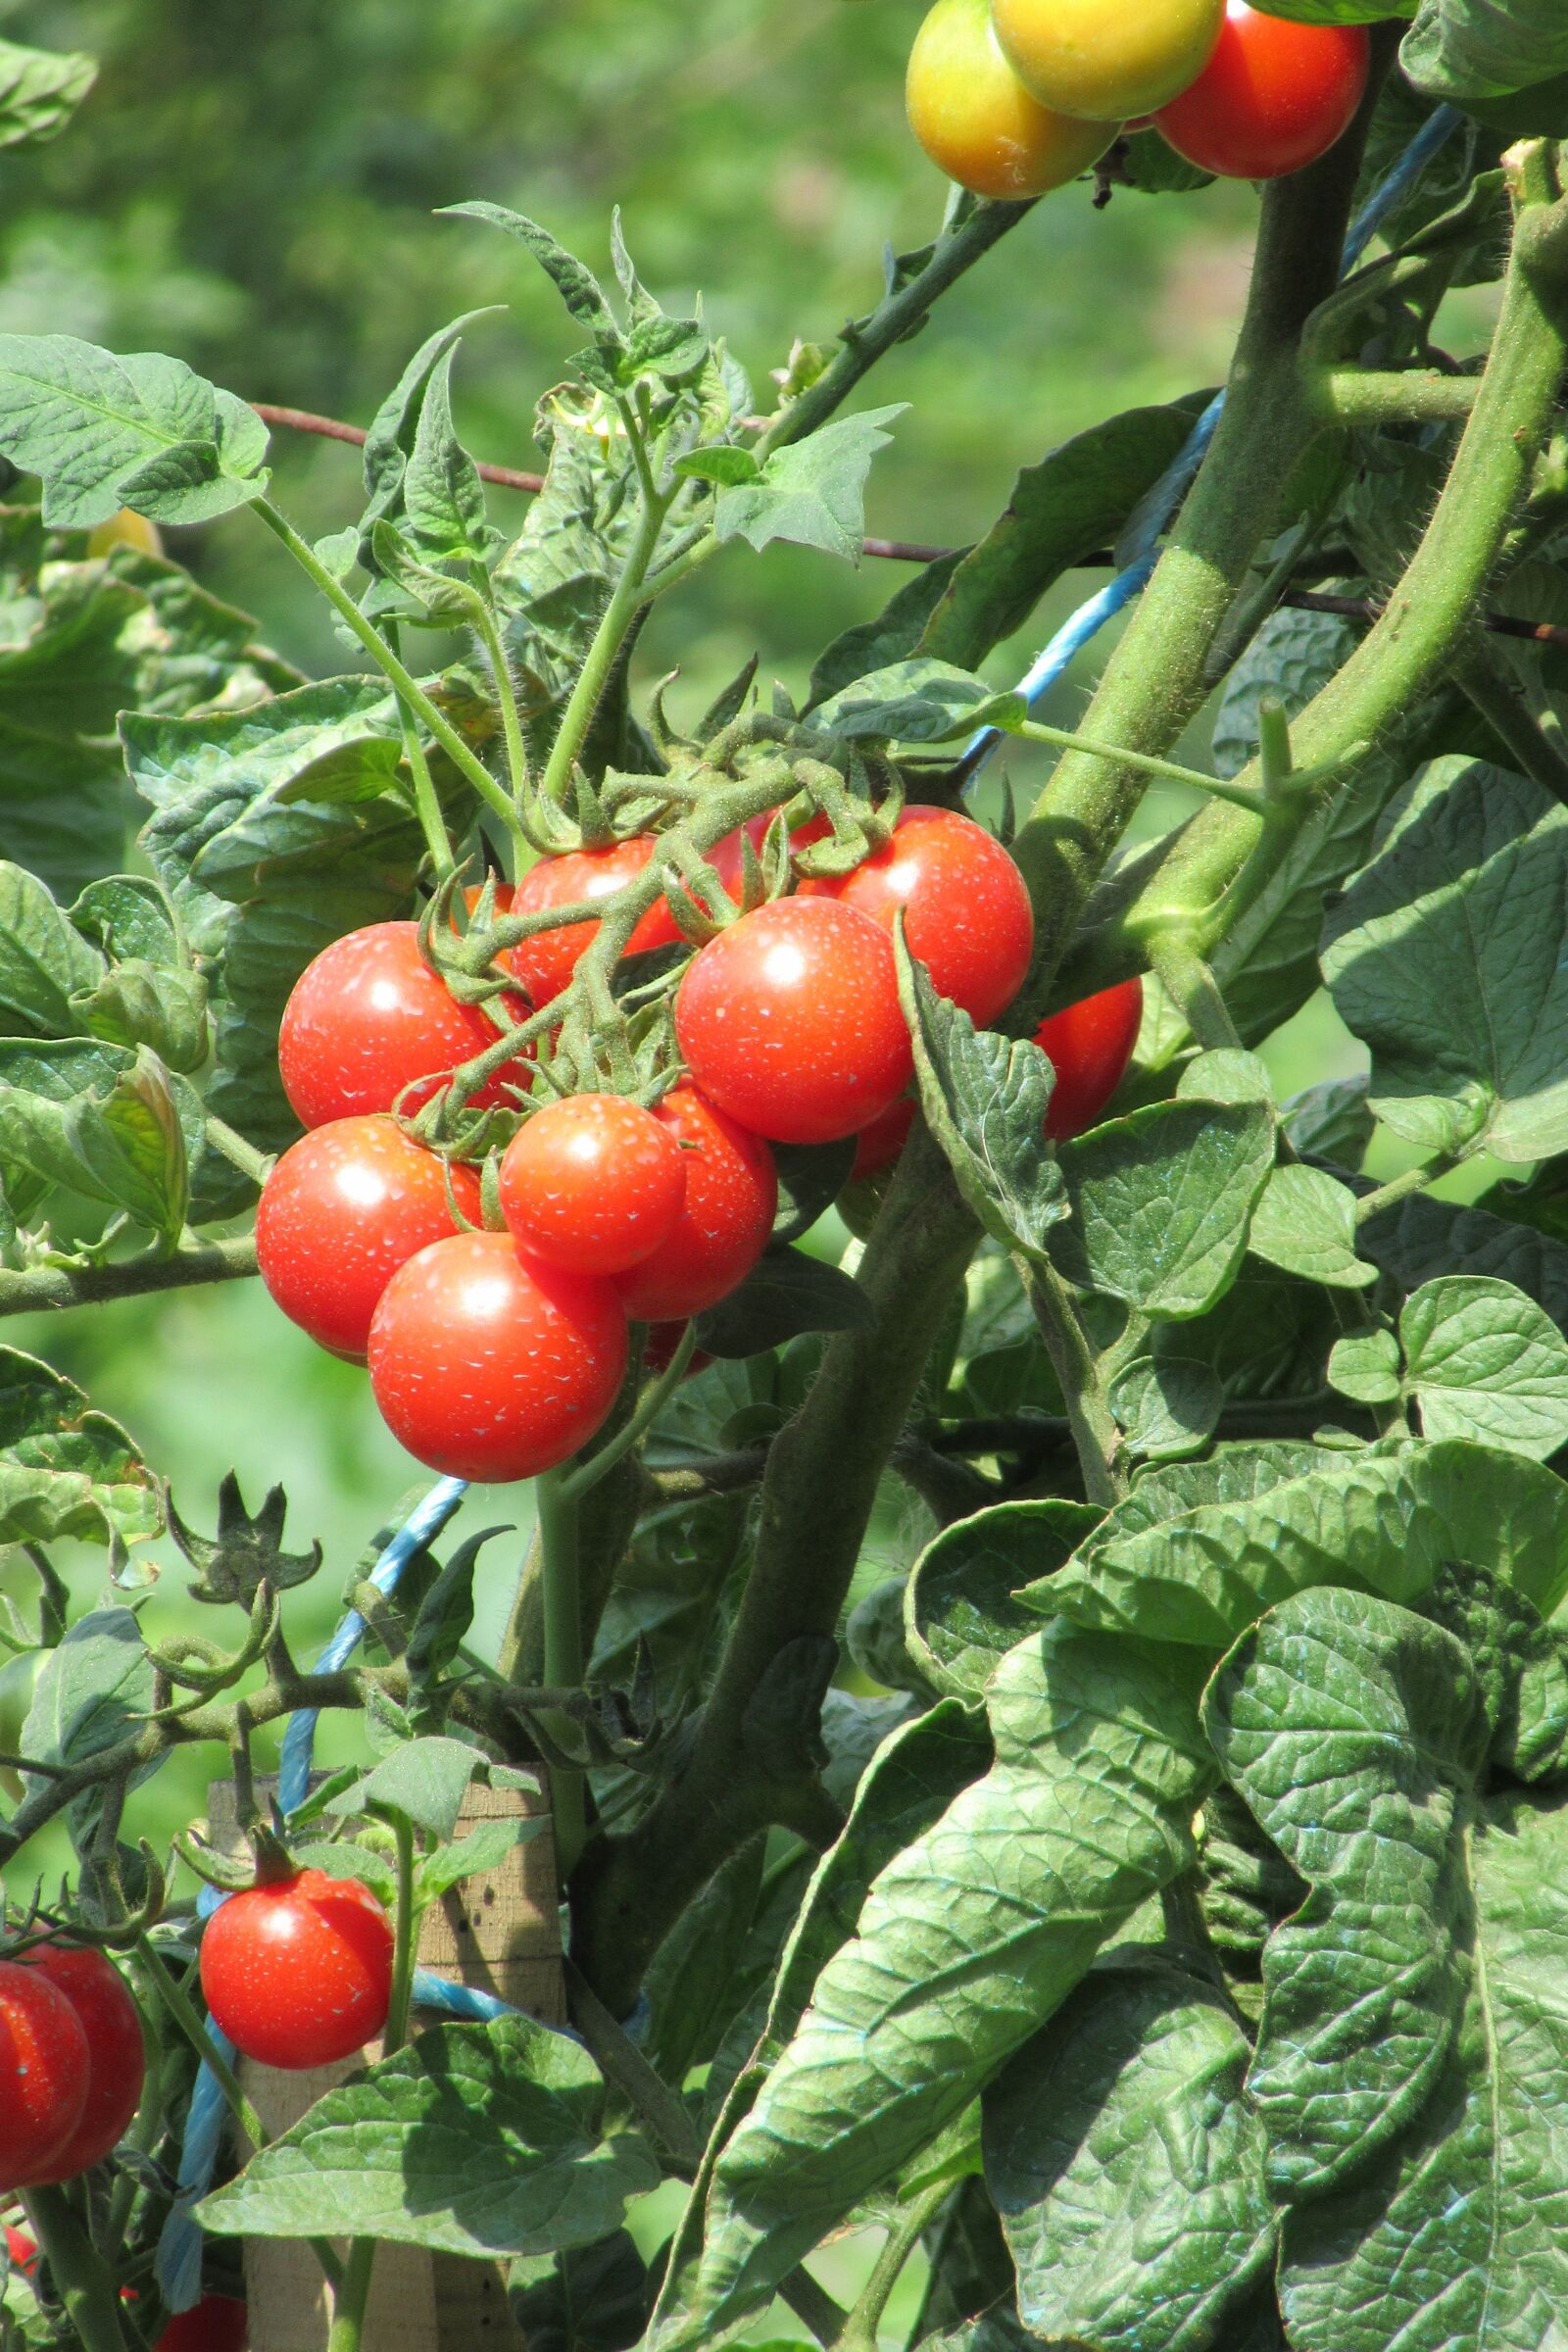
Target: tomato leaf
x=1484, y=1361
x=145, y=432
x=785, y=1294
x=961, y=1614
x=1162, y=1203
x=1304, y=1222
x=474, y=2140
x=45, y=960
x=1448, y=956
x=1127, y=2164
x=1459, y=50
x=811, y=492
x=985, y=1098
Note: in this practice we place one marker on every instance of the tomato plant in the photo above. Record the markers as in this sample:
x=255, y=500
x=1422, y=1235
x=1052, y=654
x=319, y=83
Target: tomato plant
x=368, y=1020
x=1087, y=57
x=1273, y=97
x=1014, y=1699
x=593, y=1183
x=790, y=1021
x=966, y=914
x=976, y=121
x=488, y=1365
x=298, y=1971
x=343, y=1208
x=43, y=2050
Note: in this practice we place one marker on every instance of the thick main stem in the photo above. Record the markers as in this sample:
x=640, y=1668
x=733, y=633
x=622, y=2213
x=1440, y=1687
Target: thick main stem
x=82, y=2276
x=1156, y=680
x=37, y=1289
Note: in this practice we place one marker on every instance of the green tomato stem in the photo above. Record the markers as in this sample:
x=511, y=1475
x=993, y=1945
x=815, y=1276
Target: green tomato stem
x=351, y=2299
x=575, y=1483
x=1144, y=764
x=859, y=2331
x=564, y=1649
x=1099, y=1441
x=403, y=680
x=604, y=652
x=1363, y=396
x=404, y=1926
x=1400, y=1187
x=87, y=2286
x=426, y=800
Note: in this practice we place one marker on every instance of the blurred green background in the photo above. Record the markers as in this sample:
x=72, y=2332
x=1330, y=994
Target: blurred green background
x=252, y=187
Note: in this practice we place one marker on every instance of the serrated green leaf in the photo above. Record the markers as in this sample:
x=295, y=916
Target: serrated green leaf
x=1285, y=1520
x=1127, y=2165
x=474, y=2140
x=443, y=497
x=1161, y=1201
x=389, y=443
x=1306, y=1223
x=123, y=1144
x=1447, y=955
x=476, y=1856
x=985, y=1099
x=1484, y=1361
x=961, y=1617
x=143, y=431
x=576, y=285
x=967, y=1945
x=426, y=1779
x=917, y=701
x=813, y=492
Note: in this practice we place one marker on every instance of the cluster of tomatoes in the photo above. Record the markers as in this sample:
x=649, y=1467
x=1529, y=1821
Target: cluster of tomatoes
x=1015, y=97
x=495, y=1355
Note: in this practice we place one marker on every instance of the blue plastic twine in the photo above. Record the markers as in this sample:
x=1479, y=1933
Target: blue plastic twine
x=1137, y=551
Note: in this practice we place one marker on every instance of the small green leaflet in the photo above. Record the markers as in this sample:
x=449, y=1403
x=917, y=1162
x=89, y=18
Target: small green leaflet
x=917, y=702
x=144, y=431
x=811, y=492
x=985, y=1099
x=474, y=2140
x=40, y=89
x=961, y=1617
x=1167, y=1406
x=1306, y=1223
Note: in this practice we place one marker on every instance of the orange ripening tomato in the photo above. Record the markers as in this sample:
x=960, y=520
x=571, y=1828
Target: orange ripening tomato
x=1104, y=59
x=976, y=121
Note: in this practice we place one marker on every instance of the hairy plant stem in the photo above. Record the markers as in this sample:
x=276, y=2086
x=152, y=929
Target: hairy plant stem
x=1156, y=680
x=1427, y=619
x=1095, y=1436
x=859, y=2332
x=82, y=2278
x=407, y=685
x=1366, y=396
x=427, y=801
x=564, y=1659
x=35, y=1289
x=1400, y=1187
x=817, y=1493
x=609, y=637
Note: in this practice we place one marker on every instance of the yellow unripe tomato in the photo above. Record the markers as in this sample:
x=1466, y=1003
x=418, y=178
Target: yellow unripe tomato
x=124, y=529
x=976, y=121
x=1107, y=58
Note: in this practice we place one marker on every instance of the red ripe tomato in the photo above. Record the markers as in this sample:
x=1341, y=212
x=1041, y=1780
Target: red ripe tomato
x=1273, y=97
x=731, y=1202
x=491, y=1367
x=593, y=1183
x=217, y=2323
x=116, y=2055
x=369, y=1017
x=20, y=2251
x=44, y=2072
x=546, y=962
x=299, y=1973
x=790, y=1021
x=878, y=1146
x=966, y=912
x=1090, y=1044
x=344, y=1208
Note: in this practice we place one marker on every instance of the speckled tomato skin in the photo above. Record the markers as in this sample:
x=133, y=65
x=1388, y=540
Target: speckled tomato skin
x=545, y=964
x=967, y=911
x=491, y=1367
x=593, y=1183
x=217, y=2323
x=1274, y=97
x=343, y=1208
x=299, y=1974
x=44, y=2070
x=366, y=1018
x=725, y=1220
x=790, y=1021
x=1090, y=1043
x=116, y=2054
